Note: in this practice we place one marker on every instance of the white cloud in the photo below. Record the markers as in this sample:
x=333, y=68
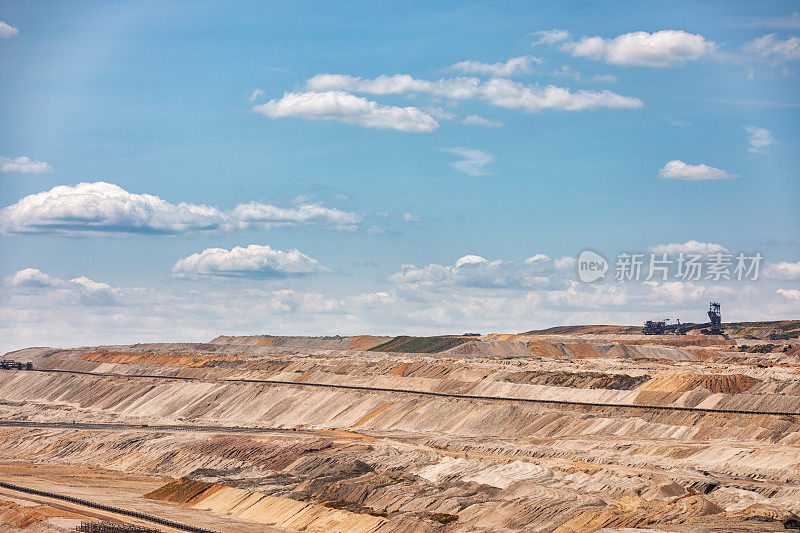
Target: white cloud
x=23, y=165
x=563, y=264
x=32, y=277
x=691, y=247
x=287, y=301
x=657, y=49
x=675, y=291
x=254, y=214
x=257, y=93
x=374, y=300
x=94, y=292
x=770, y=47
x=439, y=113
x=101, y=207
x=759, y=139
x=498, y=92
x=341, y=106
x=471, y=260
x=544, y=263
x=679, y=170
x=782, y=270
x=567, y=72
x=792, y=294
x=104, y=207
x=7, y=30
x=474, y=271
x=506, y=93
x=474, y=161
x=550, y=37
x=253, y=261
x=475, y=120
x=411, y=217
x=78, y=290
x=515, y=65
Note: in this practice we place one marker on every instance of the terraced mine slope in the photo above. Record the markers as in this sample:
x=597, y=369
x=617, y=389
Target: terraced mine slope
x=758, y=330
x=558, y=431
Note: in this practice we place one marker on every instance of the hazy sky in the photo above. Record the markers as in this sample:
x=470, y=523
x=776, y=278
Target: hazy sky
x=177, y=171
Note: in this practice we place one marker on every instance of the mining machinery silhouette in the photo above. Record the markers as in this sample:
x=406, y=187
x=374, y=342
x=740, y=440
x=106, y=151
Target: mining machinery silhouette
x=715, y=320
x=712, y=327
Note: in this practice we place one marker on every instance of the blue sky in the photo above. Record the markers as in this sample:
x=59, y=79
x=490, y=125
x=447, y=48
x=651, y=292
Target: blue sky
x=298, y=112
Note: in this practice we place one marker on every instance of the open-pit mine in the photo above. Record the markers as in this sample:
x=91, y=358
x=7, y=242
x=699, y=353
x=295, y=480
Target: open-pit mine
x=573, y=429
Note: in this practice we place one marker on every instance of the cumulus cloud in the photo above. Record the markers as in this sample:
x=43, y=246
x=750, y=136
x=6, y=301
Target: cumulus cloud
x=341, y=106
x=473, y=163
x=32, y=277
x=770, y=47
x=782, y=270
x=499, y=92
x=658, y=49
x=254, y=261
x=81, y=289
x=98, y=208
x=23, y=165
x=104, y=207
x=471, y=260
x=679, y=170
x=411, y=217
x=7, y=30
x=94, y=292
x=476, y=120
x=759, y=139
x=515, y=65
x=690, y=247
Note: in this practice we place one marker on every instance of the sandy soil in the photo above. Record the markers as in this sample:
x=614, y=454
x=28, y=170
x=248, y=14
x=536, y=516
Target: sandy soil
x=371, y=460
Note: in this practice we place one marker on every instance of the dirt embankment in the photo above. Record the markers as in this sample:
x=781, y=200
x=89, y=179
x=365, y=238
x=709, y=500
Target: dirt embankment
x=587, y=380
x=185, y=491
x=15, y=515
x=579, y=330
x=686, y=381
x=360, y=342
x=367, y=342
x=155, y=359
x=273, y=510
x=405, y=344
